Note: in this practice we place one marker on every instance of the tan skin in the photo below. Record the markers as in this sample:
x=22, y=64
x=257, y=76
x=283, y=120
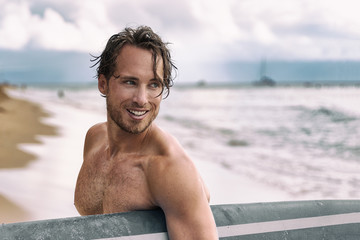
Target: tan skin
x=131, y=164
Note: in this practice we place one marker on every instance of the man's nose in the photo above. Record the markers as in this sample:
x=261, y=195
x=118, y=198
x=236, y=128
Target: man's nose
x=140, y=96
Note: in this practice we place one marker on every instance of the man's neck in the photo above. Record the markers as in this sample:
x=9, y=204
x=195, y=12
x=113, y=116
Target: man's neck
x=125, y=142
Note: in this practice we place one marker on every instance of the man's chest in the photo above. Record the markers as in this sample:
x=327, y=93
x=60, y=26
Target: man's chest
x=118, y=187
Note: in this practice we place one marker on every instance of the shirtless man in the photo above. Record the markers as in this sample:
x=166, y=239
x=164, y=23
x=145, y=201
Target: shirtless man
x=129, y=162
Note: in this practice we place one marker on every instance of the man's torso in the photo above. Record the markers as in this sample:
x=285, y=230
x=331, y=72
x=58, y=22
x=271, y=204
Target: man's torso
x=113, y=184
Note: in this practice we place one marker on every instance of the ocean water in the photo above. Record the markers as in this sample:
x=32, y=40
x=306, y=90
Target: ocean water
x=304, y=141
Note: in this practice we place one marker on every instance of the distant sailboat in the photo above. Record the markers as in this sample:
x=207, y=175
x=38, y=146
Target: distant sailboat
x=264, y=79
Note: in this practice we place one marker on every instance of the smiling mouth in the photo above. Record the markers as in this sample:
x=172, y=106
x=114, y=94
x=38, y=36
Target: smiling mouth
x=137, y=113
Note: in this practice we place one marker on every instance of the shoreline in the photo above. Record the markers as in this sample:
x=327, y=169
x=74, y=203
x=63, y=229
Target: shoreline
x=228, y=187
x=20, y=123
x=44, y=188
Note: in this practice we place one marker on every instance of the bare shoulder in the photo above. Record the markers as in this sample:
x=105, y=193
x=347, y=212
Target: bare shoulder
x=173, y=168
x=94, y=135
x=96, y=129
x=170, y=153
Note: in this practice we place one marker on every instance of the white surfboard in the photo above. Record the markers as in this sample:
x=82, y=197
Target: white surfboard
x=315, y=220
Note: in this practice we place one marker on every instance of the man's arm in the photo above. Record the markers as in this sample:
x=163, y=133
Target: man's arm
x=82, y=196
x=178, y=189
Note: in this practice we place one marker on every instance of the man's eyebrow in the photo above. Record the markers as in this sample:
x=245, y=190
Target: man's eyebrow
x=157, y=79
x=125, y=77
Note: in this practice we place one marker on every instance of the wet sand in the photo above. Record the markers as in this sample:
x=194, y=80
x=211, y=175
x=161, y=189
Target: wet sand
x=20, y=122
x=11, y=212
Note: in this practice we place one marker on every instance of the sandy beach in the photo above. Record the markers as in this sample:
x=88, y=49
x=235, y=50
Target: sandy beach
x=19, y=123
x=43, y=154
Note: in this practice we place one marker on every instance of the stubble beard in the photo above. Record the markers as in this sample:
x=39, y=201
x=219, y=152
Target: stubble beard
x=133, y=127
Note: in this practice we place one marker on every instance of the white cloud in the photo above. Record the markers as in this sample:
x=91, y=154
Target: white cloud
x=201, y=30
x=263, y=34
x=19, y=27
x=14, y=19
x=299, y=29
x=52, y=32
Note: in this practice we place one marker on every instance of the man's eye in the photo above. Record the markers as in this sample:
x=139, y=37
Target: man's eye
x=130, y=82
x=155, y=85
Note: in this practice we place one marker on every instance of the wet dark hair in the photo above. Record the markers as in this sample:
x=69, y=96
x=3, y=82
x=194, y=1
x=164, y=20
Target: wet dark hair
x=142, y=37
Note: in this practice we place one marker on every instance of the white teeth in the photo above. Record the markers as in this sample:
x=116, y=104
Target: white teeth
x=137, y=113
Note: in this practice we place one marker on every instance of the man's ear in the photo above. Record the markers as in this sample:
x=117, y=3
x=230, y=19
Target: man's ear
x=102, y=84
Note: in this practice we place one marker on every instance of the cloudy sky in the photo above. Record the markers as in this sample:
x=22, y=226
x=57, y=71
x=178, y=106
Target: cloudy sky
x=201, y=31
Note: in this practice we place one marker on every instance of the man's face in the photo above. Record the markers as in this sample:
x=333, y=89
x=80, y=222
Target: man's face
x=133, y=92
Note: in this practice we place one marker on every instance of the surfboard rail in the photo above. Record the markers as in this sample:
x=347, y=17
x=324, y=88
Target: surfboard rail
x=315, y=220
